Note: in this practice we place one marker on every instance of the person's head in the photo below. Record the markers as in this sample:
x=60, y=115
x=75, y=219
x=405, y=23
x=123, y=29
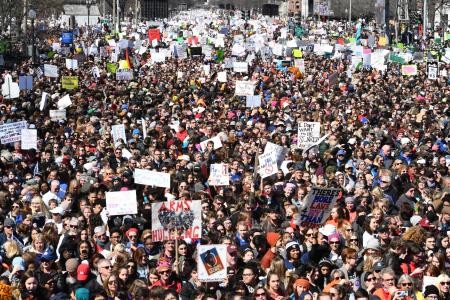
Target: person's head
x=443, y=283
x=361, y=294
x=260, y=293
x=388, y=277
x=29, y=282
x=432, y=293
x=123, y=274
x=273, y=281
x=104, y=267
x=406, y=283
x=301, y=285
x=164, y=270
x=170, y=295
x=153, y=276
x=248, y=275
x=111, y=285
x=337, y=275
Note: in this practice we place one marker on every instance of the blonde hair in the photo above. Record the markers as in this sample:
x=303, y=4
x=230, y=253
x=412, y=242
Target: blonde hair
x=12, y=249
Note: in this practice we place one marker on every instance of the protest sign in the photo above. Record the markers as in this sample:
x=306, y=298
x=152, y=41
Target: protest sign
x=216, y=140
x=121, y=203
x=69, y=82
x=118, y=133
x=152, y=178
x=51, y=71
x=43, y=101
x=267, y=164
x=67, y=37
x=64, y=102
x=154, y=34
x=219, y=175
x=56, y=115
x=71, y=64
x=212, y=263
x=300, y=64
x=124, y=75
x=318, y=206
x=176, y=219
x=280, y=152
x=10, y=89
x=244, y=88
x=26, y=82
x=11, y=132
x=409, y=70
x=28, y=139
x=253, y=101
x=240, y=67
x=308, y=134
x=432, y=70
x=111, y=68
x=222, y=76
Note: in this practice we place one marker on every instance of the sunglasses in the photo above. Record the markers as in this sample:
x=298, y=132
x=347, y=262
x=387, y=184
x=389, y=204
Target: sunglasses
x=164, y=272
x=407, y=284
x=334, y=243
x=445, y=283
x=260, y=294
x=370, y=279
x=337, y=278
x=353, y=240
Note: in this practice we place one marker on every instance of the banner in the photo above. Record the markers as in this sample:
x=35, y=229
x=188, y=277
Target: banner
x=28, y=139
x=240, y=67
x=12, y=132
x=308, y=134
x=121, y=203
x=318, y=206
x=212, y=263
x=56, y=115
x=244, y=88
x=267, y=164
x=280, y=152
x=69, y=82
x=51, y=71
x=409, y=70
x=218, y=175
x=118, y=133
x=152, y=178
x=216, y=140
x=176, y=219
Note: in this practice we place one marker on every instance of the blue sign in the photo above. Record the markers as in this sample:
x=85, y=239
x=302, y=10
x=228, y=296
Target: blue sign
x=67, y=37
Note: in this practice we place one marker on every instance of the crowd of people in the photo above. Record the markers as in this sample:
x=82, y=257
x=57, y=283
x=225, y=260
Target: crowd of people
x=386, y=150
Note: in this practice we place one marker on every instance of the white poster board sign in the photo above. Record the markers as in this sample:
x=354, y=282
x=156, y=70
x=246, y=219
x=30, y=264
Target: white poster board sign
x=240, y=67
x=244, y=88
x=64, y=102
x=222, y=76
x=121, y=203
x=279, y=151
x=253, y=101
x=152, y=178
x=219, y=175
x=28, y=139
x=318, y=206
x=212, y=263
x=216, y=140
x=51, y=71
x=118, y=133
x=11, y=132
x=56, y=115
x=308, y=134
x=268, y=164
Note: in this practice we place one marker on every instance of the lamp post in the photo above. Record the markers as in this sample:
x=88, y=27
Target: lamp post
x=32, y=16
x=88, y=5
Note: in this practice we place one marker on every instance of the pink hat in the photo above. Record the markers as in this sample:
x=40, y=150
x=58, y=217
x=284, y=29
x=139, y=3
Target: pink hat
x=163, y=265
x=334, y=236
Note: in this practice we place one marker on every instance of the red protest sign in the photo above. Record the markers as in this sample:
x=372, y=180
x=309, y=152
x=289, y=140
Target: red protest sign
x=154, y=34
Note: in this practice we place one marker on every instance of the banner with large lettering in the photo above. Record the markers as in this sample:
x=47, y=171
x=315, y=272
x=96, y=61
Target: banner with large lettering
x=176, y=219
x=318, y=206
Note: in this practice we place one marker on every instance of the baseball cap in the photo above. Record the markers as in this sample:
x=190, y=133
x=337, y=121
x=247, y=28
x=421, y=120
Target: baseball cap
x=83, y=271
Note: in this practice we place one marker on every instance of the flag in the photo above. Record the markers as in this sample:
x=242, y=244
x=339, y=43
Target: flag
x=127, y=58
x=111, y=68
x=219, y=56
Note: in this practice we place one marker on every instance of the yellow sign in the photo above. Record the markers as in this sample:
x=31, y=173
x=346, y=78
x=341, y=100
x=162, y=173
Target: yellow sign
x=297, y=53
x=382, y=41
x=69, y=82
